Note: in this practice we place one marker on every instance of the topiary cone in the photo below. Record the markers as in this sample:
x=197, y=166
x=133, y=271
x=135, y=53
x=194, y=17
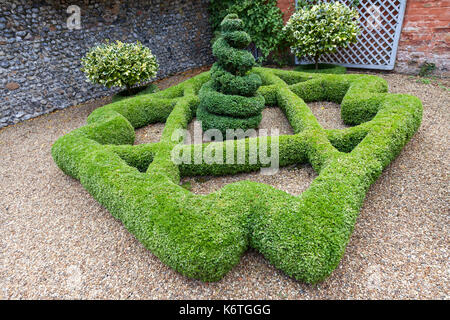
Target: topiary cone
x=229, y=100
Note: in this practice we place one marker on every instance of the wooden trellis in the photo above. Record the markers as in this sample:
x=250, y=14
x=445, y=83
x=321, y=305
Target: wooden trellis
x=381, y=24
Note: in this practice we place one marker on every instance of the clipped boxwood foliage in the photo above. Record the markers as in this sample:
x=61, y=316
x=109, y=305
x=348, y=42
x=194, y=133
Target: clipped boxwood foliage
x=227, y=83
x=204, y=236
x=135, y=91
x=230, y=99
x=223, y=122
x=229, y=105
x=322, y=68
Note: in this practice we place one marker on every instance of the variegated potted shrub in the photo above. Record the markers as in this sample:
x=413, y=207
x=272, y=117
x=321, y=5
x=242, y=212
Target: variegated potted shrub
x=313, y=31
x=118, y=64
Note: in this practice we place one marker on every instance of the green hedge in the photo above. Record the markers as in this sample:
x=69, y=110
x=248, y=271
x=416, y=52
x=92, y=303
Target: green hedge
x=323, y=68
x=230, y=105
x=135, y=91
x=204, y=236
x=227, y=83
x=222, y=123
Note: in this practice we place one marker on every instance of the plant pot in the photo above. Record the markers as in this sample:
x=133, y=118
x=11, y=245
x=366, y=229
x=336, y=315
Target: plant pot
x=323, y=68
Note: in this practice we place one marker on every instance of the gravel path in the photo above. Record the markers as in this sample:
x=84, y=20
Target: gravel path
x=58, y=242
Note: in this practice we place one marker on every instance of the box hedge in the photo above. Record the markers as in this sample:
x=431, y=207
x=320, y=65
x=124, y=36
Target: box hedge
x=204, y=236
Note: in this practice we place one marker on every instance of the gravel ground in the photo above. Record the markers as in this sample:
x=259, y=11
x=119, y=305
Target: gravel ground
x=58, y=242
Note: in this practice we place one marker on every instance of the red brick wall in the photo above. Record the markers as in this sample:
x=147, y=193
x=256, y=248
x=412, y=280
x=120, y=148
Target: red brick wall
x=288, y=7
x=425, y=34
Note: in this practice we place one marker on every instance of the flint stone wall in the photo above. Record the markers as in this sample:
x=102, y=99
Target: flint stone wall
x=40, y=56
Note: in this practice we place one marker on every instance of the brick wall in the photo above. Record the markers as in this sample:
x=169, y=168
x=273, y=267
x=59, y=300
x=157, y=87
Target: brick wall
x=288, y=7
x=425, y=34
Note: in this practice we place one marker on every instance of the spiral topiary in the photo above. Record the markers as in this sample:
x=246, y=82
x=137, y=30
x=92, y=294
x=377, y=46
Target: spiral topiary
x=229, y=100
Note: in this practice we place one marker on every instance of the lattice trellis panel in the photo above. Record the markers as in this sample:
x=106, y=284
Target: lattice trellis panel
x=381, y=23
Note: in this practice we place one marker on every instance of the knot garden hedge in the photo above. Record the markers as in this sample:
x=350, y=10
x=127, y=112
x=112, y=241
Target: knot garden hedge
x=204, y=236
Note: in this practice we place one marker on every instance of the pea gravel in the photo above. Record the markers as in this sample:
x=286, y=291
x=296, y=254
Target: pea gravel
x=57, y=242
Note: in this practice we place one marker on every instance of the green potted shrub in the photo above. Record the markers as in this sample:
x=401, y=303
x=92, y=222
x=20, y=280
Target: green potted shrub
x=121, y=64
x=321, y=29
